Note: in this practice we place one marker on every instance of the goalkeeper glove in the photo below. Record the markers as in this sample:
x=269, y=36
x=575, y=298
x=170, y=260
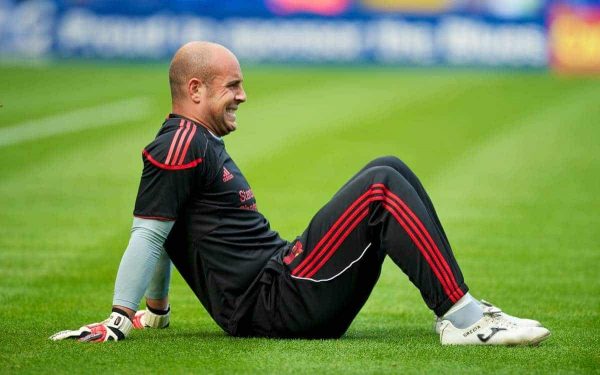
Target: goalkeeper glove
x=115, y=328
x=148, y=319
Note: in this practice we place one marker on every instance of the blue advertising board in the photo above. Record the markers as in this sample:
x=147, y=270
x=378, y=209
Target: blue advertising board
x=422, y=33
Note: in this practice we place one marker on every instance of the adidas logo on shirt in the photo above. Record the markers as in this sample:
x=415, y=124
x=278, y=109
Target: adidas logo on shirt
x=227, y=175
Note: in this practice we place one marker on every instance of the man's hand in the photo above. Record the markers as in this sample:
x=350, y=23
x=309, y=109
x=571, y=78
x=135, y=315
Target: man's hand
x=115, y=328
x=147, y=319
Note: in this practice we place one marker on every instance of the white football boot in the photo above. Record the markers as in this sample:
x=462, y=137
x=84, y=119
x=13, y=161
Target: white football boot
x=492, y=329
x=486, y=306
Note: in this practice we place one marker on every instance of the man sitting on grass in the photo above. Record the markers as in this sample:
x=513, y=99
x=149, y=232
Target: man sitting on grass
x=195, y=208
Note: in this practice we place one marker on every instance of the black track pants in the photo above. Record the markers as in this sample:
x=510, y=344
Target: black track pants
x=326, y=275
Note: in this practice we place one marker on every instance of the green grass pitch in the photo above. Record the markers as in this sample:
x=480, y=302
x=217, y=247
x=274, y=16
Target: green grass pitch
x=511, y=161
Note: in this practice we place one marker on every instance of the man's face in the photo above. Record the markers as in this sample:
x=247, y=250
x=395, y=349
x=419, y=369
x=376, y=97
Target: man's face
x=223, y=96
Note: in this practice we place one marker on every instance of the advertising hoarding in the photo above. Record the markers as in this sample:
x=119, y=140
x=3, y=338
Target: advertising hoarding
x=574, y=37
x=480, y=33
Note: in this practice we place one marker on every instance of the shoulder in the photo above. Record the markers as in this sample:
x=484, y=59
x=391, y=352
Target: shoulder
x=180, y=144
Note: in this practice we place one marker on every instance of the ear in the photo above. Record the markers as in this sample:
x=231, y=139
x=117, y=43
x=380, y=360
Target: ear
x=195, y=89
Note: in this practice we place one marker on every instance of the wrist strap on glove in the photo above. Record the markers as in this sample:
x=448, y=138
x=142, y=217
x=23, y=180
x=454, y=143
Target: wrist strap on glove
x=148, y=319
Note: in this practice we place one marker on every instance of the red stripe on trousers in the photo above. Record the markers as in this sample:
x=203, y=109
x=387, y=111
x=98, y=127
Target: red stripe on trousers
x=311, y=271
x=423, y=251
x=174, y=141
x=310, y=268
x=431, y=250
x=330, y=232
x=327, y=246
x=187, y=144
x=429, y=242
x=339, y=242
x=178, y=149
x=422, y=245
x=352, y=223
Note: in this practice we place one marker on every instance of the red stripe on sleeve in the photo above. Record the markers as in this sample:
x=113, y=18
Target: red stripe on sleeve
x=174, y=141
x=178, y=149
x=187, y=144
x=160, y=165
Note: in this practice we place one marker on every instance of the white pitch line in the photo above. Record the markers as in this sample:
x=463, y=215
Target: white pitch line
x=79, y=119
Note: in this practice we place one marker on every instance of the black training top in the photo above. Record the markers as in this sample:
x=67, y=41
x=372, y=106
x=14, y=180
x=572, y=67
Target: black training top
x=219, y=242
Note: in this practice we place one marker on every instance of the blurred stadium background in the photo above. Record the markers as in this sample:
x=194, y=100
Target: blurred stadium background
x=495, y=104
x=557, y=34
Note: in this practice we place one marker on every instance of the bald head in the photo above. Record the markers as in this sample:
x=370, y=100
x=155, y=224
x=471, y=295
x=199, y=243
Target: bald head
x=206, y=86
x=199, y=60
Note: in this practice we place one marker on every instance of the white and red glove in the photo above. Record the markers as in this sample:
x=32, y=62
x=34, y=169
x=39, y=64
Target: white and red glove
x=147, y=319
x=115, y=328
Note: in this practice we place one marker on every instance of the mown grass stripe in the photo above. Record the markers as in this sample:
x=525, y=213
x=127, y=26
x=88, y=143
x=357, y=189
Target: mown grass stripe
x=85, y=118
x=279, y=122
x=526, y=147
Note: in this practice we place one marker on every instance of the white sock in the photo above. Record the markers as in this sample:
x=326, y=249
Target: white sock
x=464, y=312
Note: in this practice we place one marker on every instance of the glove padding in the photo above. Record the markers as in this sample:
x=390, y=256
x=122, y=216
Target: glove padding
x=147, y=319
x=115, y=328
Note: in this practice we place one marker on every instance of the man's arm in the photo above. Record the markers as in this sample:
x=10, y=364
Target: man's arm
x=158, y=311
x=144, y=266
x=144, y=260
x=166, y=185
x=157, y=294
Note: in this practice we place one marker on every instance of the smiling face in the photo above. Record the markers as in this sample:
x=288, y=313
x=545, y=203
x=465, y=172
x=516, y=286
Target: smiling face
x=206, y=86
x=222, y=96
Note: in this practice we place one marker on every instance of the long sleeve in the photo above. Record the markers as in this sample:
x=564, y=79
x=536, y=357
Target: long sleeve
x=140, y=260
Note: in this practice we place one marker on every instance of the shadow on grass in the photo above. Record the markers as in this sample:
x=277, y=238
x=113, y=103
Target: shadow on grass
x=372, y=334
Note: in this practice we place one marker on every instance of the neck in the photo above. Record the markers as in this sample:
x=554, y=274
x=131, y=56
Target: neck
x=182, y=111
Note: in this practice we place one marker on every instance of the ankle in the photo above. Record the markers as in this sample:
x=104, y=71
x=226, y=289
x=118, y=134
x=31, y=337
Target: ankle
x=465, y=312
